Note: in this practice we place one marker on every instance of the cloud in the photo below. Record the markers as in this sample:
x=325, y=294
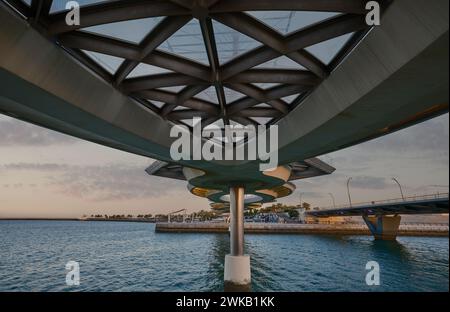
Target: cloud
x=315, y=195
x=15, y=185
x=36, y=167
x=423, y=143
x=102, y=183
x=369, y=183
x=430, y=136
x=309, y=187
x=16, y=133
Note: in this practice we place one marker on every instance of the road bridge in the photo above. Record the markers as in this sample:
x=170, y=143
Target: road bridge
x=383, y=217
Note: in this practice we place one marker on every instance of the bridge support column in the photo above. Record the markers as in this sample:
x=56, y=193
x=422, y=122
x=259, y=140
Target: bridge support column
x=383, y=227
x=237, y=274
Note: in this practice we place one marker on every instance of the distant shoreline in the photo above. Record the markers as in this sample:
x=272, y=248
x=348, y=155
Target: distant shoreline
x=40, y=219
x=152, y=220
x=77, y=219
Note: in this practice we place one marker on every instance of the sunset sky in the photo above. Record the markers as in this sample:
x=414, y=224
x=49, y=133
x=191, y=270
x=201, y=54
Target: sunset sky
x=47, y=174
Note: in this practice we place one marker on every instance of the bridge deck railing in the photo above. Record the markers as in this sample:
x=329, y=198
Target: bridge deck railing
x=387, y=201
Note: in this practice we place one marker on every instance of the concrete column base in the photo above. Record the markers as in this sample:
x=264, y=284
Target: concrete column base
x=383, y=227
x=237, y=274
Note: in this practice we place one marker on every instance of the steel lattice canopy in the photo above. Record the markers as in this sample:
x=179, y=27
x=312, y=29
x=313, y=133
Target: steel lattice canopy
x=227, y=61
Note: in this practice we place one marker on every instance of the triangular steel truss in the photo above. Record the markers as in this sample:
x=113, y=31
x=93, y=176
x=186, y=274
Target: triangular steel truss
x=239, y=74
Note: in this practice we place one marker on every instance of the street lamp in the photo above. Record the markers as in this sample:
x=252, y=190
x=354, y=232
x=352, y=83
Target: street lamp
x=400, y=187
x=348, y=191
x=300, y=197
x=334, y=202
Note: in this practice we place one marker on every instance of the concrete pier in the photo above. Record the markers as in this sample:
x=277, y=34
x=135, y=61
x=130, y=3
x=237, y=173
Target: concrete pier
x=237, y=275
x=383, y=227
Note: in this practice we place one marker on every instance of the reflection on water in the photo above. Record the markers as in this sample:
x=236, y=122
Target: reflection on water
x=392, y=248
x=131, y=257
x=219, y=248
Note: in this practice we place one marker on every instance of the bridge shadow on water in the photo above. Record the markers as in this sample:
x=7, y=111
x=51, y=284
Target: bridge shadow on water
x=398, y=262
x=393, y=249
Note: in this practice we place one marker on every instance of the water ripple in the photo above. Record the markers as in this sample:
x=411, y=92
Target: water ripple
x=117, y=256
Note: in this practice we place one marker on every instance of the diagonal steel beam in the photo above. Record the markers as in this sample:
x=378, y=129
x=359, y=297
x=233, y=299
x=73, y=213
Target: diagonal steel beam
x=299, y=40
x=183, y=96
x=253, y=28
x=271, y=94
x=345, y=6
x=155, y=38
x=187, y=114
x=91, y=42
x=147, y=104
x=244, y=121
x=260, y=96
x=116, y=11
x=210, y=45
x=178, y=64
x=198, y=9
x=248, y=60
x=310, y=62
x=158, y=95
x=240, y=104
x=172, y=98
x=286, y=76
x=210, y=120
x=213, y=57
x=189, y=92
x=168, y=108
x=88, y=41
x=258, y=112
x=222, y=102
x=158, y=81
x=329, y=29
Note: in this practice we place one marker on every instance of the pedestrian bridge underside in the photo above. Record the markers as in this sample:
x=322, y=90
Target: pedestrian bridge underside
x=130, y=70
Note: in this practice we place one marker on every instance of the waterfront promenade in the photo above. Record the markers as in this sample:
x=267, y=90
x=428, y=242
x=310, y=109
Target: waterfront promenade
x=283, y=228
x=406, y=229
